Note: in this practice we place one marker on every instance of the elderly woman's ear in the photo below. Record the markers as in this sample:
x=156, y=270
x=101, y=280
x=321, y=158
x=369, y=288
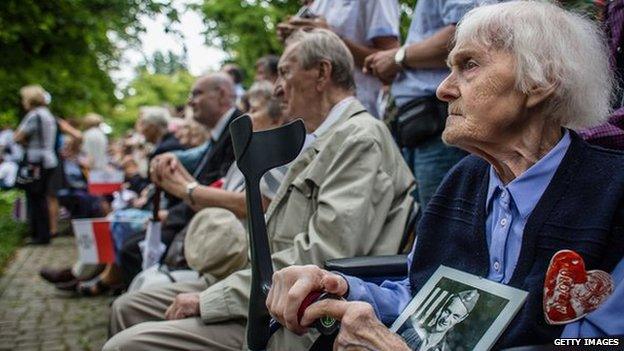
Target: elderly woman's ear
x=539, y=94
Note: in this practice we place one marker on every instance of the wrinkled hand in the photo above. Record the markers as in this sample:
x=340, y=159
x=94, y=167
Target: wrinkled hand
x=290, y=287
x=161, y=164
x=284, y=30
x=382, y=65
x=291, y=24
x=175, y=182
x=185, y=305
x=359, y=327
x=316, y=22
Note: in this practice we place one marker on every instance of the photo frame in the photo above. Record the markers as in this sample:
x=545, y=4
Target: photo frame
x=456, y=310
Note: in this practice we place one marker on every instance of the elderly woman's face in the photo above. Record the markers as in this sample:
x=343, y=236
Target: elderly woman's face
x=484, y=103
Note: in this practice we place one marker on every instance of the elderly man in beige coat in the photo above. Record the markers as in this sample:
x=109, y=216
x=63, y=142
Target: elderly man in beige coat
x=347, y=194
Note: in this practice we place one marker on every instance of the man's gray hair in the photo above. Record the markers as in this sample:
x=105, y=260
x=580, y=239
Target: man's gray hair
x=155, y=115
x=321, y=44
x=550, y=46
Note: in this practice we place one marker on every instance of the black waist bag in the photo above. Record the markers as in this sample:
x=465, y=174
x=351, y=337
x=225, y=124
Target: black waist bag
x=420, y=120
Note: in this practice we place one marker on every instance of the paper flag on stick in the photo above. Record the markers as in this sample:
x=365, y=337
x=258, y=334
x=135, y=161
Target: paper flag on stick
x=94, y=240
x=105, y=182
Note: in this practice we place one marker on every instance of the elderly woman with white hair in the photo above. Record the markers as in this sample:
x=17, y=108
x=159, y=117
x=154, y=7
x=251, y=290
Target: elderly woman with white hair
x=523, y=76
x=153, y=124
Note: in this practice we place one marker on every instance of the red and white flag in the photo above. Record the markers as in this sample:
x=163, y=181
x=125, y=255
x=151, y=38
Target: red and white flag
x=105, y=182
x=94, y=240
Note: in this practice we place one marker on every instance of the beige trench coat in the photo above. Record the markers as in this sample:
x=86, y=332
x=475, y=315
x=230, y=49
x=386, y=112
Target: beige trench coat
x=347, y=195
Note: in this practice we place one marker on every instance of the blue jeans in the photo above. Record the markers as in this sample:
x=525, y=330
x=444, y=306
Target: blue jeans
x=430, y=161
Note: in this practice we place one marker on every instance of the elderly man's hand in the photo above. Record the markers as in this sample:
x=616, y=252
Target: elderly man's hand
x=316, y=22
x=185, y=305
x=382, y=65
x=175, y=182
x=359, y=327
x=161, y=164
x=290, y=287
x=284, y=30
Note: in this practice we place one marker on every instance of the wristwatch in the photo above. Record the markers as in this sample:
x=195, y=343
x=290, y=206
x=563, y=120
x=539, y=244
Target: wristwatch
x=190, y=187
x=399, y=57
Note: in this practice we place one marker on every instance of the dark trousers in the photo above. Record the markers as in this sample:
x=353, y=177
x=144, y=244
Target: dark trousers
x=38, y=216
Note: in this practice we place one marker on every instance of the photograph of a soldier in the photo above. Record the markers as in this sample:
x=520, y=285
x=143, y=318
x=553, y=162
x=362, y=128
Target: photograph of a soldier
x=453, y=316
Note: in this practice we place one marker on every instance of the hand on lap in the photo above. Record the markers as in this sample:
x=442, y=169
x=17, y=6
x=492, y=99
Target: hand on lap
x=185, y=305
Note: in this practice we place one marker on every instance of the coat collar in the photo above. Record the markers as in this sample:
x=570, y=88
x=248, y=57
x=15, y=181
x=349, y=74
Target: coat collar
x=306, y=158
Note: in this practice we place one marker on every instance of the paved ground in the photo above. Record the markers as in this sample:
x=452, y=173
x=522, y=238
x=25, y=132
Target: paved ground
x=36, y=316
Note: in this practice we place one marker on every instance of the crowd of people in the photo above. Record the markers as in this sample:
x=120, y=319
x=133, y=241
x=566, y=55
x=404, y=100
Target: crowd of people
x=499, y=124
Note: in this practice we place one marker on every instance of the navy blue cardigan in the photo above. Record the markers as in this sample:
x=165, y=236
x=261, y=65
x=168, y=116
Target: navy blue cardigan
x=582, y=209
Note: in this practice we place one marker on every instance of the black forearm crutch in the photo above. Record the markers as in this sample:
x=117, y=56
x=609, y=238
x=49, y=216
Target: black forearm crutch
x=256, y=153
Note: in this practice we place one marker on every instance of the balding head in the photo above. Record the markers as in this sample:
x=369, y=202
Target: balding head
x=211, y=97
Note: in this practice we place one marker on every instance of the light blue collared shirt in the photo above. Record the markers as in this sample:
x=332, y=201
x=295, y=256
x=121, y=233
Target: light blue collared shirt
x=390, y=298
x=429, y=17
x=508, y=207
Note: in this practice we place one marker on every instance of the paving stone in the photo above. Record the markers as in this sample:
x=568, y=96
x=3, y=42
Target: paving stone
x=35, y=316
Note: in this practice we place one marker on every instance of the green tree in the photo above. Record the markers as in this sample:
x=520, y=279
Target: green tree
x=69, y=47
x=169, y=63
x=246, y=29
x=151, y=89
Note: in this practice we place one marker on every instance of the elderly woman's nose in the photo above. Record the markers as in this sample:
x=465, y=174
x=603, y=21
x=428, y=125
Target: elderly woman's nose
x=447, y=91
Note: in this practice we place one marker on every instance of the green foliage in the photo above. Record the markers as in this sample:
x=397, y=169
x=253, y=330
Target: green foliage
x=151, y=89
x=169, y=63
x=11, y=232
x=246, y=28
x=69, y=47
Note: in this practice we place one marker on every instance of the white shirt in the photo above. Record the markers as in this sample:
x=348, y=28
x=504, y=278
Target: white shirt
x=40, y=147
x=218, y=129
x=361, y=21
x=95, y=145
x=331, y=119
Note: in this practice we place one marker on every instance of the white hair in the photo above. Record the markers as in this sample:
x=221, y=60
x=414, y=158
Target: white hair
x=264, y=90
x=550, y=46
x=321, y=44
x=155, y=115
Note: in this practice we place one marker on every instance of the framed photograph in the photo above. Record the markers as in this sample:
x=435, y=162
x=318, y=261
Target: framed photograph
x=458, y=311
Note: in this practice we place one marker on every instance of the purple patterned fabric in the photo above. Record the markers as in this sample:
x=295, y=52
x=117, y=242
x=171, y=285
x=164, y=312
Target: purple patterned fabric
x=610, y=134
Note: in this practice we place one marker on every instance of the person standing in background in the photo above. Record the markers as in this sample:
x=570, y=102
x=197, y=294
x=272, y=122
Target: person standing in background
x=365, y=26
x=415, y=71
x=95, y=143
x=37, y=132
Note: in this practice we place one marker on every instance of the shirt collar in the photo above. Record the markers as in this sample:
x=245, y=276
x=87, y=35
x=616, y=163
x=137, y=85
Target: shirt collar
x=218, y=129
x=333, y=116
x=528, y=188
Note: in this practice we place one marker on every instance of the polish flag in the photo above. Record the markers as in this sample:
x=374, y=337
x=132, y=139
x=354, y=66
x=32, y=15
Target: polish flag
x=105, y=182
x=94, y=240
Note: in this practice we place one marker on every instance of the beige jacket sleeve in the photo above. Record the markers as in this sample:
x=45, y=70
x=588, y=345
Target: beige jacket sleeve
x=353, y=196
